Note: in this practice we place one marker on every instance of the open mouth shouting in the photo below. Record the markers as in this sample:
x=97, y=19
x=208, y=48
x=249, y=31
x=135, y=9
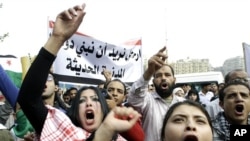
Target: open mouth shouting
x=190, y=138
x=164, y=85
x=89, y=117
x=239, y=108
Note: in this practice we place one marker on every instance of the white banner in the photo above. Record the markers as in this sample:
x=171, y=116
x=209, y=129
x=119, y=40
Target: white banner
x=83, y=56
x=246, y=50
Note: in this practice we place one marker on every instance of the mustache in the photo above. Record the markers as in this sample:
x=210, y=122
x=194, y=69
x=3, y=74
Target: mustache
x=164, y=80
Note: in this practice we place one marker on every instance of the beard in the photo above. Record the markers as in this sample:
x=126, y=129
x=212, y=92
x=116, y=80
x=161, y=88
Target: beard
x=164, y=93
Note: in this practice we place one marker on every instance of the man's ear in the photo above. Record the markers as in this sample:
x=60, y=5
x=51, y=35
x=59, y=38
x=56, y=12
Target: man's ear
x=56, y=88
x=124, y=98
x=221, y=103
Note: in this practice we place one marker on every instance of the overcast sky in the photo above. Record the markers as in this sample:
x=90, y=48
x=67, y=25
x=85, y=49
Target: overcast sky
x=213, y=29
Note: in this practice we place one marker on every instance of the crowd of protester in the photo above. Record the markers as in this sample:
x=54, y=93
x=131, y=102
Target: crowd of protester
x=114, y=111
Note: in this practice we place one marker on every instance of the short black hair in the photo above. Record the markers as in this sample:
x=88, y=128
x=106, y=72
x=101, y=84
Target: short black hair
x=185, y=84
x=222, y=93
x=194, y=91
x=73, y=88
x=117, y=80
x=205, y=84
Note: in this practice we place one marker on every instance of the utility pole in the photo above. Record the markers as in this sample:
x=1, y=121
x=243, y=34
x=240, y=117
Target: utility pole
x=166, y=39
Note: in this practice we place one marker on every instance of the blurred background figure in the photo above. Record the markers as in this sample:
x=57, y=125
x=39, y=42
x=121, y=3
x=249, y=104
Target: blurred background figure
x=221, y=85
x=215, y=90
x=186, y=87
x=193, y=95
x=205, y=93
x=151, y=88
x=179, y=92
x=66, y=98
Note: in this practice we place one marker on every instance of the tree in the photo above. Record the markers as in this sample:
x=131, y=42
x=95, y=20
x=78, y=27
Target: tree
x=5, y=34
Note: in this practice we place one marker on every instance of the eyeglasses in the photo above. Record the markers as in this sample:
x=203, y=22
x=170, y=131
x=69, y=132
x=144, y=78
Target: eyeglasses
x=240, y=80
x=50, y=77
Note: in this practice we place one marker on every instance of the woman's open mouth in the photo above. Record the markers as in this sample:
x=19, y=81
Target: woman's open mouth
x=190, y=138
x=89, y=117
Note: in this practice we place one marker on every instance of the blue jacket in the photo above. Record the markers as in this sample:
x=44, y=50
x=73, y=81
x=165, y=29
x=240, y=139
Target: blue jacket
x=8, y=88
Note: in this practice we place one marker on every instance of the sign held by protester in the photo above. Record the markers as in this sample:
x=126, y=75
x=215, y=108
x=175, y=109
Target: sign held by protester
x=83, y=56
x=246, y=52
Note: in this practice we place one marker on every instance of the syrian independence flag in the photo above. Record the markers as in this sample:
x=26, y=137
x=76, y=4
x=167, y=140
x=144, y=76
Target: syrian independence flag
x=12, y=65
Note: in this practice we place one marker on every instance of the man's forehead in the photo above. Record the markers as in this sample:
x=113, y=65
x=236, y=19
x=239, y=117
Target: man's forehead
x=238, y=74
x=235, y=87
x=164, y=69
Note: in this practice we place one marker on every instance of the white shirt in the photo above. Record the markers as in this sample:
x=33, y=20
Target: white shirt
x=152, y=107
x=213, y=108
x=205, y=98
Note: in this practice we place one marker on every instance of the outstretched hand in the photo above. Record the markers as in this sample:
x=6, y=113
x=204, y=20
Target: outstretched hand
x=107, y=74
x=66, y=24
x=68, y=21
x=121, y=119
x=155, y=63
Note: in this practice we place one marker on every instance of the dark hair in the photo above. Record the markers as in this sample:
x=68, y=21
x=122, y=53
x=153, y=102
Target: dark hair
x=185, y=84
x=215, y=83
x=117, y=80
x=72, y=88
x=73, y=112
x=222, y=93
x=223, y=84
x=171, y=68
x=66, y=93
x=58, y=102
x=193, y=91
x=176, y=105
x=205, y=84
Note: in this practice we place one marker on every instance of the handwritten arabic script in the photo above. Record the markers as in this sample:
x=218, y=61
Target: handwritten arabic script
x=102, y=50
x=85, y=56
x=95, y=69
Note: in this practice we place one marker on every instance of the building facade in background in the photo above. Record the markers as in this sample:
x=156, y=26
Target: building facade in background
x=184, y=66
x=233, y=63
